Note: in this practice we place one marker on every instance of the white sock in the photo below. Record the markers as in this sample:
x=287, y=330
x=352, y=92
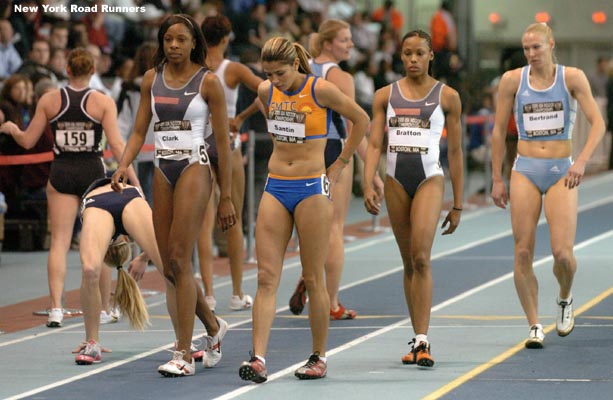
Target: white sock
x=324, y=359
x=421, y=338
x=567, y=300
x=261, y=359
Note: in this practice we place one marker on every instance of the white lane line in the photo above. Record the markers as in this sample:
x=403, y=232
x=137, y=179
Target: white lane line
x=355, y=342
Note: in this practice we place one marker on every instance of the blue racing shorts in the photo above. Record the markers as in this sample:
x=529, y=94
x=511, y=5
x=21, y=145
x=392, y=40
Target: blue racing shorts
x=291, y=191
x=542, y=172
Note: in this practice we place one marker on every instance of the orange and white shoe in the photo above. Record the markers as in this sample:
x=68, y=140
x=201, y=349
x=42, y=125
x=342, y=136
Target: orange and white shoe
x=409, y=358
x=342, y=313
x=422, y=355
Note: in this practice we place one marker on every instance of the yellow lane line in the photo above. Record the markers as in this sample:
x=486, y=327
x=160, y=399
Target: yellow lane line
x=507, y=354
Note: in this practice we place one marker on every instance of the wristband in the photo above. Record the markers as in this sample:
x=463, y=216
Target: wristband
x=343, y=160
x=457, y=209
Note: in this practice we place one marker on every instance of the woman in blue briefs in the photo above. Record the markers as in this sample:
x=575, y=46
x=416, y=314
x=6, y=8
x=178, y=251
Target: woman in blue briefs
x=297, y=192
x=543, y=96
x=107, y=215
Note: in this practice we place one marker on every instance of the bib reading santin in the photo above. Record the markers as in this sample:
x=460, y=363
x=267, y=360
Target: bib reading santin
x=294, y=117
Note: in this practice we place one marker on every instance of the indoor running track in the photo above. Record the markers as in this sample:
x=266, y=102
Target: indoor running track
x=477, y=329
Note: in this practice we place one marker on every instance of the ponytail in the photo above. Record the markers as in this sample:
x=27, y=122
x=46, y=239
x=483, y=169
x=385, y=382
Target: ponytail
x=127, y=294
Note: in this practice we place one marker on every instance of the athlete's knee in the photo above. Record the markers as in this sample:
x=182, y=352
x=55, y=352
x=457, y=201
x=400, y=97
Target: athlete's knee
x=267, y=279
x=179, y=256
x=176, y=268
x=420, y=262
x=563, y=257
x=313, y=282
x=91, y=273
x=523, y=256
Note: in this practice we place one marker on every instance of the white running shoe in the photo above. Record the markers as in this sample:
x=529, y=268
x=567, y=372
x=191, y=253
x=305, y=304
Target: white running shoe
x=177, y=366
x=237, y=304
x=107, y=318
x=56, y=316
x=212, y=352
x=536, y=337
x=116, y=313
x=565, y=321
x=211, y=302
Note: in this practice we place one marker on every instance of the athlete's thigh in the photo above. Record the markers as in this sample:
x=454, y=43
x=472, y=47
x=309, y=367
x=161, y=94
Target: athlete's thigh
x=96, y=233
x=313, y=217
x=273, y=229
x=425, y=213
x=526, y=202
x=163, y=204
x=138, y=223
x=63, y=210
x=341, y=193
x=238, y=182
x=561, y=206
x=398, y=205
x=191, y=193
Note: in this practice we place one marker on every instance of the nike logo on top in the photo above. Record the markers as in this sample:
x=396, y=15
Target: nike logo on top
x=302, y=95
x=430, y=104
x=311, y=183
x=189, y=93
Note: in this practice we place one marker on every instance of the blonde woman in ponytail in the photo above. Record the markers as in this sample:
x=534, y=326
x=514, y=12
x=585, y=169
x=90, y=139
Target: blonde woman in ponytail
x=107, y=216
x=544, y=96
x=297, y=192
x=329, y=46
x=127, y=294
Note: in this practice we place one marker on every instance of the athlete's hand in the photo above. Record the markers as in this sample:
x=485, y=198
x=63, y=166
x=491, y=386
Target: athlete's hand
x=226, y=215
x=119, y=179
x=8, y=128
x=138, y=266
x=372, y=201
x=574, y=174
x=453, y=220
x=235, y=124
x=334, y=171
x=499, y=194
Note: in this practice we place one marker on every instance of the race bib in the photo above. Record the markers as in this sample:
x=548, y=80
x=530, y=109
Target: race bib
x=75, y=136
x=287, y=126
x=203, y=157
x=325, y=186
x=408, y=135
x=543, y=119
x=173, y=139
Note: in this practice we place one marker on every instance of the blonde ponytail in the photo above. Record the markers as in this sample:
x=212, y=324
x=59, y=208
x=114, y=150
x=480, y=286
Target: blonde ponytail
x=127, y=294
